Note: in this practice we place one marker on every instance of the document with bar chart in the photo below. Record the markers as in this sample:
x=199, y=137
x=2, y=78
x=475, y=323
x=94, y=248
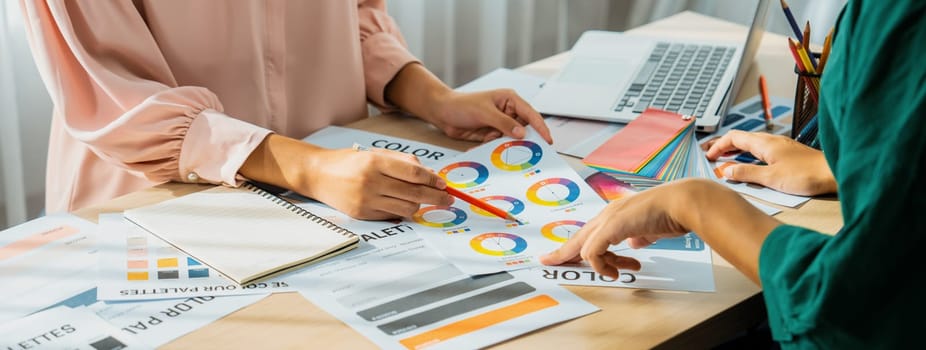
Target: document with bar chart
x=46, y=262
x=401, y=294
x=136, y=265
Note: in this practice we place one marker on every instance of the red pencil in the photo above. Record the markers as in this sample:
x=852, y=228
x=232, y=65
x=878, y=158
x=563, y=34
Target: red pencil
x=766, y=105
x=800, y=67
x=482, y=204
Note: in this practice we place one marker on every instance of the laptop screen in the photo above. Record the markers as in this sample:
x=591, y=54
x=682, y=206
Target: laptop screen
x=753, y=39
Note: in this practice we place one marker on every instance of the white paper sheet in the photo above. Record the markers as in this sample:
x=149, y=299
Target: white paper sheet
x=136, y=265
x=44, y=262
x=526, y=85
x=158, y=322
x=337, y=137
x=399, y=293
x=64, y=328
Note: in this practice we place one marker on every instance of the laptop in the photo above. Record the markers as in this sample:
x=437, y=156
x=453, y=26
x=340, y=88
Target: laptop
x=614, y=77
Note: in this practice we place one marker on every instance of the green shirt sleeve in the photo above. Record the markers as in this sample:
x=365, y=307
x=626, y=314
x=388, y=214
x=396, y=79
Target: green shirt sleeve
x=859, y=288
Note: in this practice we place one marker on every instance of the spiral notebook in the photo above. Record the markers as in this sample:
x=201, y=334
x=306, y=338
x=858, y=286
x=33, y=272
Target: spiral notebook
x=244, y=233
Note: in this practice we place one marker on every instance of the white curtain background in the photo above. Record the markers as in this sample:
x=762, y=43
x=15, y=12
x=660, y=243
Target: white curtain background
x=457, y=39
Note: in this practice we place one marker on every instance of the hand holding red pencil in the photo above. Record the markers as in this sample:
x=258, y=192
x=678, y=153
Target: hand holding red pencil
x=467, y=198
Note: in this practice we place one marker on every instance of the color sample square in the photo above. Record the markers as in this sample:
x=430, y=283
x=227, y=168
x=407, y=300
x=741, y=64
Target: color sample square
x=138, y=264
x=199, y=273
x=168, y=275
x=137, y=241
x=138, y=276
x=192, y=262
x=167, y=251
x=138, y=252
x=167, y=262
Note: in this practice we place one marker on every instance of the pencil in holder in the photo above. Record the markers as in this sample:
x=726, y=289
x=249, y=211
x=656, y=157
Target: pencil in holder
x=806, y=97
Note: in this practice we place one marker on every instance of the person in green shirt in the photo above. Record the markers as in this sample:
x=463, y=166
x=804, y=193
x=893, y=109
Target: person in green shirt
x=855, y=289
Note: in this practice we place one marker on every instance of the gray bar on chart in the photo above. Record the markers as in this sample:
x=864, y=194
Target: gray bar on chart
x=394, y=287
x=433, y=295
x=458, y=307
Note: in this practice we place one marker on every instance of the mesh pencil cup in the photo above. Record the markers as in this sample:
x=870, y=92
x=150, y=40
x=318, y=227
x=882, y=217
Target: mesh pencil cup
x=806, y=95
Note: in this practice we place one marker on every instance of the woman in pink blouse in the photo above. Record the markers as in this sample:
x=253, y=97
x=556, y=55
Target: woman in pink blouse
x=214, y=91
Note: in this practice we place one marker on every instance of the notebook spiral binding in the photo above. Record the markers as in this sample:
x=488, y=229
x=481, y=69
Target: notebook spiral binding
x=298, y=210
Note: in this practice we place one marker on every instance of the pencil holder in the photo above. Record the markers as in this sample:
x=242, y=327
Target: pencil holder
x=806, y=96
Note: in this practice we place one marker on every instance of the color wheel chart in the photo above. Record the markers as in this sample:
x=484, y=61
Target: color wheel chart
x=440, y=216
x=507, y=203
x=498, y=244
x=560, y=231
x=553, y=192
x=161, y=263
x=464, y=174
x=526, y=178
x=516, y=155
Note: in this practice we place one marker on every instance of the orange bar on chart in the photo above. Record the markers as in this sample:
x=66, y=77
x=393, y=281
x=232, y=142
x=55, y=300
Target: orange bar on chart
x=137, y=276
x=35, y=241
x=478, y=322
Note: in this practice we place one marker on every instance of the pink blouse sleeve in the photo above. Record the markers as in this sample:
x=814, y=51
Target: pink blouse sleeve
x=115, y=92
x=384, y=49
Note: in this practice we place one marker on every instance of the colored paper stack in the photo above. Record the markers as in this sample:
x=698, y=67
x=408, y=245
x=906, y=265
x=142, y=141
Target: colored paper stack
x=658, y=145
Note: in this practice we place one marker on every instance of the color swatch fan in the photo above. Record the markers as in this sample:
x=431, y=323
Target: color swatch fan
x=655, y=145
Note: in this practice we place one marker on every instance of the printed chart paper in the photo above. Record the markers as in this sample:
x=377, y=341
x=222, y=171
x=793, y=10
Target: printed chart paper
x=44, y=262
x=64, y=328
x=399, y=293
x=136, y=265
x=524, y=177
x=158, y=322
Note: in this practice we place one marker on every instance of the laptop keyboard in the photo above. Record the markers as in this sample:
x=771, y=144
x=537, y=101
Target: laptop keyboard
x=678, y=78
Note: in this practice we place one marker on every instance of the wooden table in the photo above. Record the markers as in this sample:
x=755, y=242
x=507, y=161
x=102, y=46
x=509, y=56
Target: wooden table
x=629, y=318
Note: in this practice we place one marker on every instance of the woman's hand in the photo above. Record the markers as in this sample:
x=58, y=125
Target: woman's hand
x=792, y=167
x=732, y=226
x=478, y=116
x=486, y=115
x=369, y=185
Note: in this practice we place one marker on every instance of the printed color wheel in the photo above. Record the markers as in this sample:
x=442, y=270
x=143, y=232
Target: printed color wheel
x=516, y=155
x=516, y=206
x=464, y=174
x=439, y=216
x=553, y=192
x=498, y=244
x=561, y=231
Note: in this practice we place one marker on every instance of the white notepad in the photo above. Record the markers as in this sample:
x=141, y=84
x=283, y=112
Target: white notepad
x=244, y=233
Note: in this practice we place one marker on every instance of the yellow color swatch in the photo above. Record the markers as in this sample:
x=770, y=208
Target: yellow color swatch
x=138, y=276
x=167, y=262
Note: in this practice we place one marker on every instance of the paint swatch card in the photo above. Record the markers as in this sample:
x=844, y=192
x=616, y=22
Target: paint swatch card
x=651, y=145
x=136, y=265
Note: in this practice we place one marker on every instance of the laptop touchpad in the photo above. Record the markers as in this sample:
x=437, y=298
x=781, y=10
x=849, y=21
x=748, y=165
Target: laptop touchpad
x=597, y=71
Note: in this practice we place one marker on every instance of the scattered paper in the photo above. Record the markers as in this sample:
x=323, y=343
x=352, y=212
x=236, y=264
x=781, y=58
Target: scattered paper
x=156, y=323
x=337, y=137
x=64, y=328
x=136, y=265
x=45, y=262
x=400, y=294
x=526, y=85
